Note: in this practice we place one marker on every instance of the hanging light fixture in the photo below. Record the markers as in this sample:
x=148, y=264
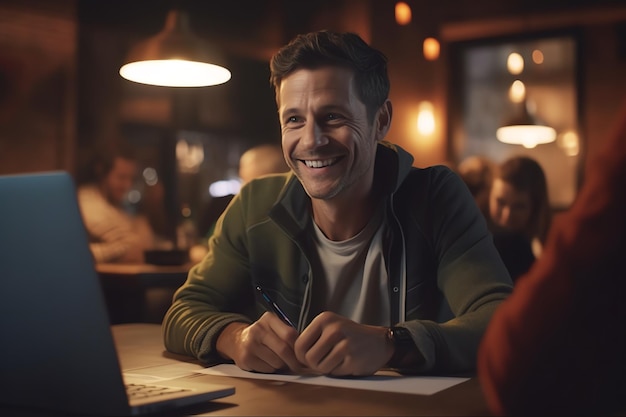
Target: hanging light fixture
x=174, y=57
x=525, y=128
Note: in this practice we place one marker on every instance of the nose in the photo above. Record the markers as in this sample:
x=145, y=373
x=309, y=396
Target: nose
x=313, y=136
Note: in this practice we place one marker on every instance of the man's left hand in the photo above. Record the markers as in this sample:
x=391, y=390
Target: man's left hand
x=334, y=345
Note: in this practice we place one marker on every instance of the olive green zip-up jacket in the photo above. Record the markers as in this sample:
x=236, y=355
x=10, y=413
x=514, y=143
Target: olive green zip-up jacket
x=445, y=275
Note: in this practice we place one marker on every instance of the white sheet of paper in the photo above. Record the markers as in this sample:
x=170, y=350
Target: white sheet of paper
x=382, y=381
x=158, y=373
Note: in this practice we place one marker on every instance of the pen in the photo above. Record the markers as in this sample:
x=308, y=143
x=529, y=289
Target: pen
x=277, y=310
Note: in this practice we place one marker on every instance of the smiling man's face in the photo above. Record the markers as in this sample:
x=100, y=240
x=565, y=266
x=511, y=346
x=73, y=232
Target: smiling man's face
x=328, y=141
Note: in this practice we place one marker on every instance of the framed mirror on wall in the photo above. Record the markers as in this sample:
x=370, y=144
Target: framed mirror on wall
x=520, y=96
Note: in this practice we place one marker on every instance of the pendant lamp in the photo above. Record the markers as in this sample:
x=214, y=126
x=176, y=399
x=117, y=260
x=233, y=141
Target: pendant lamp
x=525, y=128
x=175, y=57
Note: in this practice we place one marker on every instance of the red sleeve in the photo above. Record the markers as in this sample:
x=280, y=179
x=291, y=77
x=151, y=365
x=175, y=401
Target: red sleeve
x=558, y=344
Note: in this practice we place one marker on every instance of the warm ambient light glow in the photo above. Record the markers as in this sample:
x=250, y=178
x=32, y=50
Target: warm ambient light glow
x=175, y=73
x=426, y=118
x=525, y=128
x=515, y=63
x=517, y=91
x=175, y=57
x=528, y=136
x=189, y=156
x=569, y=142
x=537, y=57
x=431, y=49
x=403, y=13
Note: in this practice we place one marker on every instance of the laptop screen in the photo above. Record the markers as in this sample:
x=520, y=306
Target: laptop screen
x=57, y=349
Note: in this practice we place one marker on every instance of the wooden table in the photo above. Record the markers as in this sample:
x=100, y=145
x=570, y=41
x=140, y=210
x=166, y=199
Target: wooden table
x=139, y=292
x=140, y=345
x=144, y=274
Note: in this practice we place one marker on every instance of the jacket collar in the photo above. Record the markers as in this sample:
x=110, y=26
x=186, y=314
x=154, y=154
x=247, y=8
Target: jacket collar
x=392, y=165
x=293, y=206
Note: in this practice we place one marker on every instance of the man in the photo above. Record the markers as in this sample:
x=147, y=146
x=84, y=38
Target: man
x=377, y=264
x=114, y=235
x=556, y=347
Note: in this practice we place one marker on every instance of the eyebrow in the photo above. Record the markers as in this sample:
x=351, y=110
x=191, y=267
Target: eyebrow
x=289, y=111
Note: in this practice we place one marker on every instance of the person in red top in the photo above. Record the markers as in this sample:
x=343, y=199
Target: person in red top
x=557, y=345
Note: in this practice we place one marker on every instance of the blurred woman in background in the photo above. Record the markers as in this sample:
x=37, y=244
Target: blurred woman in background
x=519, y=212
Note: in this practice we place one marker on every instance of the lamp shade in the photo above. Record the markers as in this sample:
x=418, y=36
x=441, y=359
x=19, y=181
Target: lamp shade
x=526, y=129
x=175, y=57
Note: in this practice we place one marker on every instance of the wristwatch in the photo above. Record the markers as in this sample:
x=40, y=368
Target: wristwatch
x=405, y=353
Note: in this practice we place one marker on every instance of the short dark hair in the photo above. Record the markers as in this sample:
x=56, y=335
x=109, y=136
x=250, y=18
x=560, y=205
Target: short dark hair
x=98, y=160
x=322, y=48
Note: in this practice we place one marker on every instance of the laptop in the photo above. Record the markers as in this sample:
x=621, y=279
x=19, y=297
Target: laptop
x=57, y=350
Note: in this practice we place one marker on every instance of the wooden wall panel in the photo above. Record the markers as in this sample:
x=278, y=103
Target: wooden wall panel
x=37, y=79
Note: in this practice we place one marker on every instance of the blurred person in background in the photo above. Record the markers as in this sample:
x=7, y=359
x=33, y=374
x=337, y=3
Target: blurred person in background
x=557, y=345
x=519, y=212
x=477, y=173
x=115, y=234
x=261, y=160
x=255, y=162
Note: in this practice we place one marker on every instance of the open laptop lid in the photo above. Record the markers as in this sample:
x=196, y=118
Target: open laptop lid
x=57, y=350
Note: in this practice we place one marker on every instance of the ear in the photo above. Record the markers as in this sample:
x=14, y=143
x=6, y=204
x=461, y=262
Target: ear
x=382, y=123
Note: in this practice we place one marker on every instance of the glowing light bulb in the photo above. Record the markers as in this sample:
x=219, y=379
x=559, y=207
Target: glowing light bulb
x=426, y=118
x=515, y=63
x=403, y=13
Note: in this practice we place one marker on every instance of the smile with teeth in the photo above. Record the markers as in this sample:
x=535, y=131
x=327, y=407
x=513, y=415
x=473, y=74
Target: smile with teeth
x=320, y=163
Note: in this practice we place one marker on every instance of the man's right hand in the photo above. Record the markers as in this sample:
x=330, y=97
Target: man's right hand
x=263, y=346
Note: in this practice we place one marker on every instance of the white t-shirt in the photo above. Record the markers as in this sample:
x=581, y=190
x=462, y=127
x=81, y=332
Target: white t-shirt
x=350, y=278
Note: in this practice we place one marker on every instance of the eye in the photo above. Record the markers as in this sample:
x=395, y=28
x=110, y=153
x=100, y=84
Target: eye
x=293, y=119
x=332, y=119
